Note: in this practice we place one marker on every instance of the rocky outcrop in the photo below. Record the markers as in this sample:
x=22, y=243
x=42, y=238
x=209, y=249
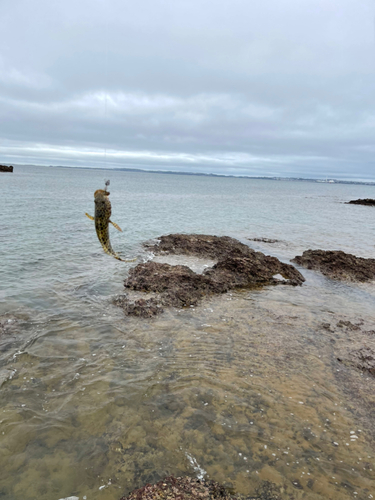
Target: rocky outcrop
x=338, y=265
x=199, y=245
x=4, y=168
x=142, y=308
x=189, y=488
x=238, y=266
x=366, y=201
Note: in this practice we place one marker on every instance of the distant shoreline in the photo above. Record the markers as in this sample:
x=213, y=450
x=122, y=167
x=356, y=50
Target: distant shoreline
x=200, y=174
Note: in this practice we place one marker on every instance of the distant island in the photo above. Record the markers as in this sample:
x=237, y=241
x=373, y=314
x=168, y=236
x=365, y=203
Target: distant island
x=172, y=172
x=202, y=174
x=4, y=168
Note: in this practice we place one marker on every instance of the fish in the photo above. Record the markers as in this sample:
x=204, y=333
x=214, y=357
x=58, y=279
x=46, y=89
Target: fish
x=102, y=220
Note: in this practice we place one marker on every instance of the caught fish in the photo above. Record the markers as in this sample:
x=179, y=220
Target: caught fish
x=102, y=220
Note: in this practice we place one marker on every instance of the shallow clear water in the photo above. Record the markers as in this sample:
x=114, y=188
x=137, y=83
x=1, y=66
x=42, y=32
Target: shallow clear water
x=244, y=388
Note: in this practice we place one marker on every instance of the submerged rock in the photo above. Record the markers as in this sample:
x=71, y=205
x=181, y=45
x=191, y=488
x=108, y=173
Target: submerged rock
x=264, y=240
x=9, y=332
x=238, y=266
x=8, y=326
x=6, y=375
x=188, y=488
x=142, y=308
x=337, y=264
x=366, y=201
x=362, y=358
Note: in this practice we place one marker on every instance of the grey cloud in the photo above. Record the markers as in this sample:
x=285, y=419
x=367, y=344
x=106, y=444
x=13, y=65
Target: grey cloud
x=259, y=88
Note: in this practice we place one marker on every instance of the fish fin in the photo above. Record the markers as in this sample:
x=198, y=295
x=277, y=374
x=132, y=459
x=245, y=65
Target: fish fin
x=116, y=226
x=89, y=216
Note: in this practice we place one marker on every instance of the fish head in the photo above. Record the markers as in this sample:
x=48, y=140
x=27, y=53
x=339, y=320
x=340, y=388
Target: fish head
x=102, y=203
x=101, y=194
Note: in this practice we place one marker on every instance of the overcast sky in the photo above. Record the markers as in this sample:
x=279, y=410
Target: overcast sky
x=244, y=87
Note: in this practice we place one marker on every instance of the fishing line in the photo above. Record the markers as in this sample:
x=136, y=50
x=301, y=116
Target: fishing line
x=106, y=125
x=105, y=89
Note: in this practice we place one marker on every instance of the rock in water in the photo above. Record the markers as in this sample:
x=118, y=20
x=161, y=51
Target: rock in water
x=4, y=168
x=337, y=264
x=366, y=201
x=189, y=488
x=362, y=358
x=238, y=266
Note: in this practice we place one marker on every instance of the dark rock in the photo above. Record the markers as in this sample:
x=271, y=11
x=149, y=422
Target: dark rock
x=234, y=258
x=238, y=266
x=366, y=201
x=183, y=488
x=188, y=488
x=264, y=240
x=4, y=168
x=252, y=270
x=362, y=358
x=144, y=308
x=297, y=484
x=348, y=325
x=327, y=326
x=176, y=285
x=200, y=245
x=338, y=265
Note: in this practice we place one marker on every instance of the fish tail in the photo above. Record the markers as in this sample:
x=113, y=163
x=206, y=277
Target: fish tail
x=111, y=252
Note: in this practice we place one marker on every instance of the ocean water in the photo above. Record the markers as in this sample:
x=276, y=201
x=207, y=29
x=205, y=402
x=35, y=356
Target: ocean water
x=244, y=388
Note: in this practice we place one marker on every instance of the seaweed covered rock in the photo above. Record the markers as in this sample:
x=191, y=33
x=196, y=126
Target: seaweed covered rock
x=366, y=201
x=176, y=285
x=362, y=358
x=338, y=265
x=200, y=245
x=188, y=488
x=238, y=266
x=142, y=308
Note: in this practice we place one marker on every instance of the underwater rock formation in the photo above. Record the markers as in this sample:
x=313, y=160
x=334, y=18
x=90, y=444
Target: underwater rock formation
x=9, y=331
x=354, y=345
x=366, y=201
x=188, y=488
x=264, y=240
x=4, y=168
x=362, y=358
x=143, y=308
x=337, y=264
x=7, y=326
x=238, y=266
